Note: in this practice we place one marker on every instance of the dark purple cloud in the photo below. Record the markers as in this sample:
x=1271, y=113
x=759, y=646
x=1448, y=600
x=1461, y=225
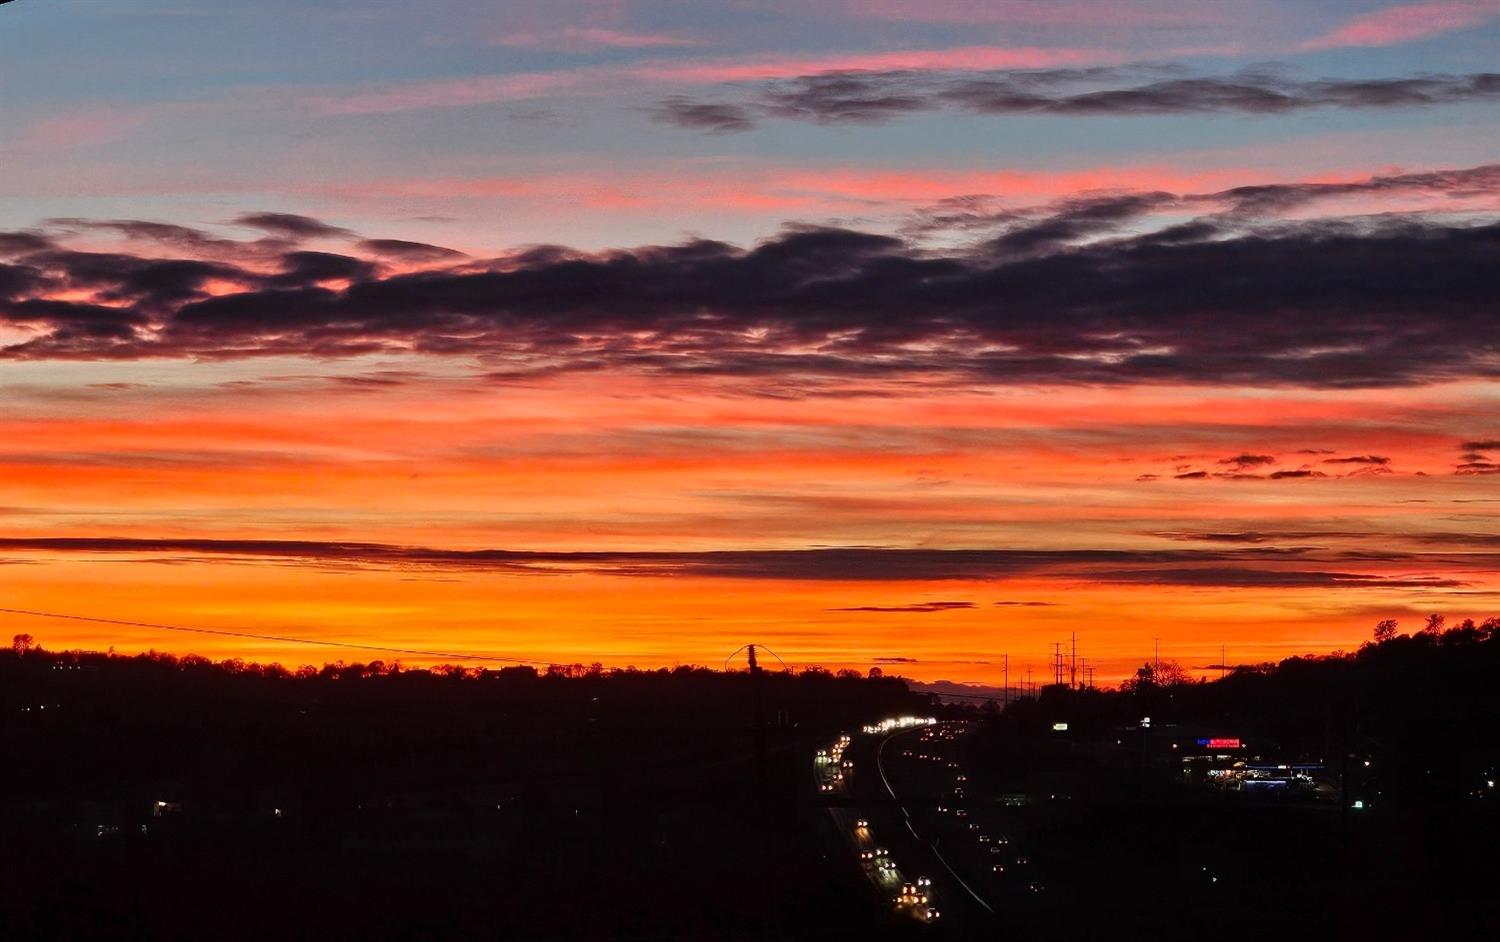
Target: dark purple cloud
x=915, y=607
x=1387, y=302
x=1246, y=536
x=1083, y=218
x=715, y=118
x=291, y=226
x=1248, y=461
x=1227, y=577
x=310, y=268
x=1242, y=567
x=409, y=251
x=22, y=243
x=1474, y=461
x=877, y=97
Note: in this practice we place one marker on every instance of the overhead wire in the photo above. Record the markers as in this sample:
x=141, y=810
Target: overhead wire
x=283, y=639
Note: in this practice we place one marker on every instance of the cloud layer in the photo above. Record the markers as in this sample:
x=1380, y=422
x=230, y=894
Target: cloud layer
x=1212, y=288
x=1248, y=567
x=874, y=97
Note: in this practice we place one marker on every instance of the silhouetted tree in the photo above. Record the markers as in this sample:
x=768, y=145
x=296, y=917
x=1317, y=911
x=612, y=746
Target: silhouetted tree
x=1171, y=673
x=1489, y=629
x=1465, y=632
x=1144, y=678
x=1434, y=624
x=22, y=643
x=1165, y=674
x=1385, y=630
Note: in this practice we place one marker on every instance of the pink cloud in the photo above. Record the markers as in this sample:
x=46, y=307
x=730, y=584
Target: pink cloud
x=780, y=191
x=493, y=89
x=451, y=93
x=1039, y=12
x=1408, y=23
x=960, y=57
x=81, y=129
x=577, y=39
x=932, y=184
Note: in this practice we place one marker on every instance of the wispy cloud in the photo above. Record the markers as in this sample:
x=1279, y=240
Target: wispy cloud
x=585, y=38
x=1225, y=568
x=487, y=89
x=1408, y=22
x=913, y=608
x=874, y=97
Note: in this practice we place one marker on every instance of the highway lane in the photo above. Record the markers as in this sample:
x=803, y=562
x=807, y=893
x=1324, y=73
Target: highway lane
x=910, y=826
x=868, y=793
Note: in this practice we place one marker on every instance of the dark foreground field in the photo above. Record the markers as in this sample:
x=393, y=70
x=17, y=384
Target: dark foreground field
x=156, y=798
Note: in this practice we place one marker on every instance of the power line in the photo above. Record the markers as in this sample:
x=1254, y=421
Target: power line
x=446, y=655
x=962, y=696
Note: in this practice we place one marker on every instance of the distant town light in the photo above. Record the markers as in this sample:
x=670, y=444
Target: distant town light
x=1059, y=727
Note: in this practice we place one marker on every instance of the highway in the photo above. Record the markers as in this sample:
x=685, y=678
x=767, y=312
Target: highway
x=911, y=859
x=906, y=815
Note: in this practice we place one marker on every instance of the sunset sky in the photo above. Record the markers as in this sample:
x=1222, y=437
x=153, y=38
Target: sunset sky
x=881, y=332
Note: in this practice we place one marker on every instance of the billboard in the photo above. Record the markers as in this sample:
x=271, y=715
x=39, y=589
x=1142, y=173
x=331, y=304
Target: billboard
x=1226, y=742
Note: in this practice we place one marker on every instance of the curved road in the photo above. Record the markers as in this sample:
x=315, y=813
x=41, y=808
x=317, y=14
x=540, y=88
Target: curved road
x=869, y=788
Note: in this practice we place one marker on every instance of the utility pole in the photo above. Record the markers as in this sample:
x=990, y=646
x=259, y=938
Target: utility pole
x=762, y=775
x=1157, y=666
x=1007, y=679
x=1223, y=666
x=1073, y=666
x=759, y=717
x=1057, y=662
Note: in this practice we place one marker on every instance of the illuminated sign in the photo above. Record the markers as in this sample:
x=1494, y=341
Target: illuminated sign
x=1060, y=727
x=1227, y=743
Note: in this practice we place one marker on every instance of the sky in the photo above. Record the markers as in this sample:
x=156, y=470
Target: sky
x=882, y=333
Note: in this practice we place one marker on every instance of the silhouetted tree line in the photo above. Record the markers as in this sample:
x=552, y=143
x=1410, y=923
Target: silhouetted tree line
x=1421, y=707
x=1124, y=839
x=150, y=796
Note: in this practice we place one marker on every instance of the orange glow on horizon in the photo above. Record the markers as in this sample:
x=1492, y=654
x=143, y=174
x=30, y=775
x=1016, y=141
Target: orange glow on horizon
x=637, y=465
